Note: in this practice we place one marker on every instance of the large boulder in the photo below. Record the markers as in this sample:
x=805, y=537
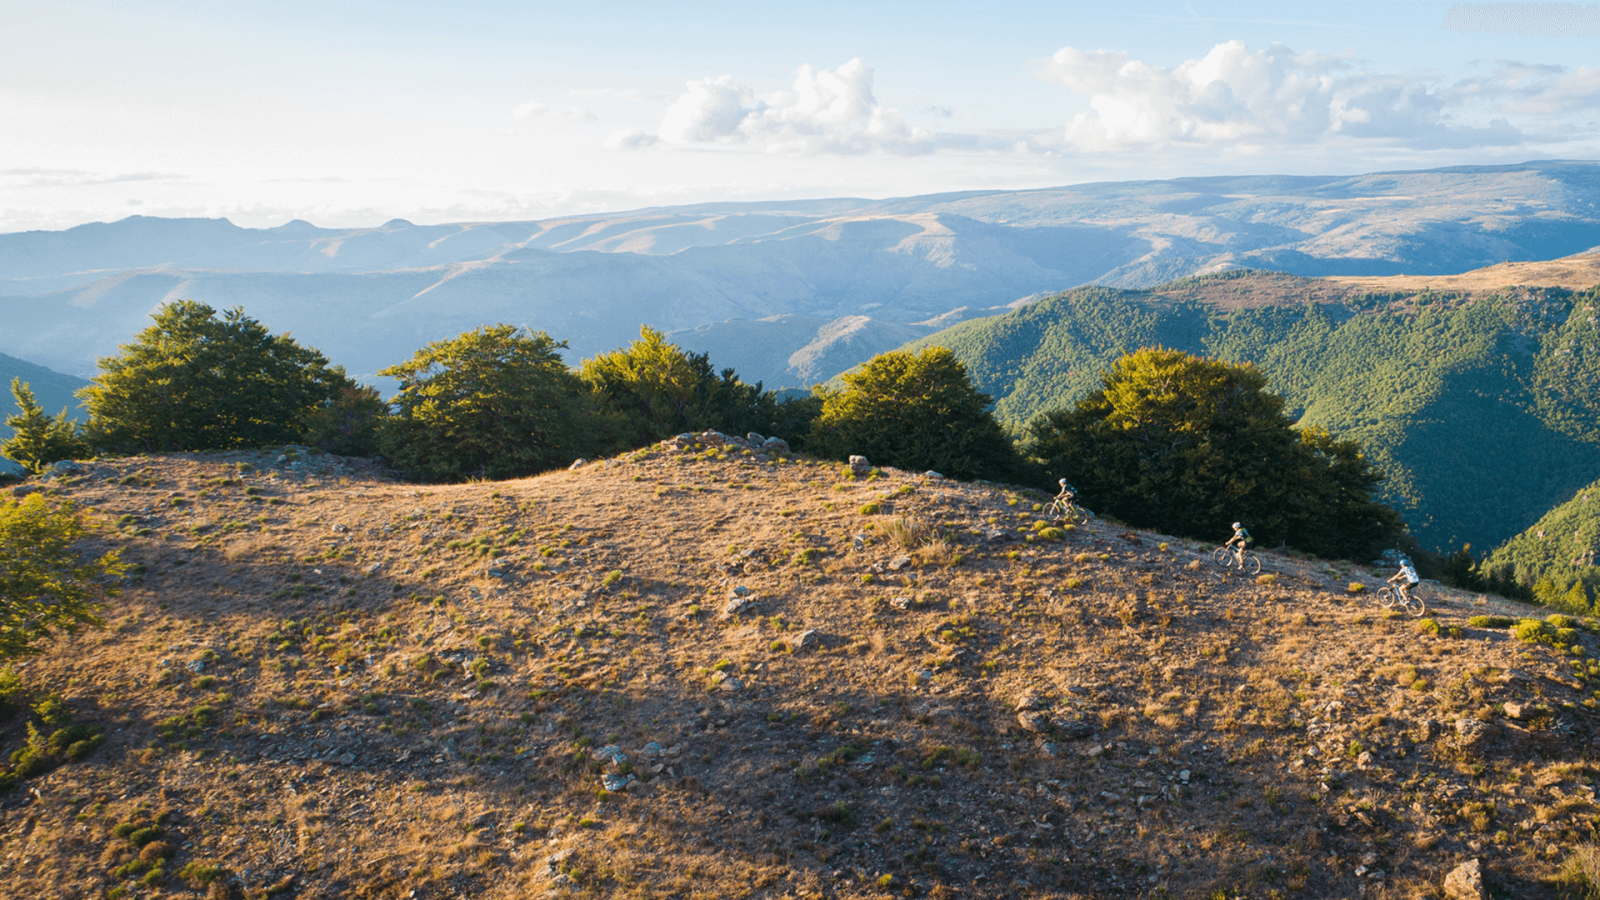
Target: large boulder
x=11, y=470
x=859, y=466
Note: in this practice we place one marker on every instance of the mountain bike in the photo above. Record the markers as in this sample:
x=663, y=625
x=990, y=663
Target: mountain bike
x=1411, y=602
x=1064, y=509
x=1248, y=563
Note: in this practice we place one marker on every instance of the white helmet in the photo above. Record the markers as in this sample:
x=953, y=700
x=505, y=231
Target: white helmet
x=1062, y=482
x=1236, y=525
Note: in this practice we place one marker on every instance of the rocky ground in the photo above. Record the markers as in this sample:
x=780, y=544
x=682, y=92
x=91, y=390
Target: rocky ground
x=708, y=672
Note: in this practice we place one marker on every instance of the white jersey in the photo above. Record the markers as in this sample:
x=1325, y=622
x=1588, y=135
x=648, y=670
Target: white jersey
x=1410, y=573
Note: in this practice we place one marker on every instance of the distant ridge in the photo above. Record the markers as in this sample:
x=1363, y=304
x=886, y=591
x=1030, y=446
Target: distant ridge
x=52, y=389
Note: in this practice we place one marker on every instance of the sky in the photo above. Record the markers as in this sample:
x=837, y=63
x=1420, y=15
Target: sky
x=348, y=114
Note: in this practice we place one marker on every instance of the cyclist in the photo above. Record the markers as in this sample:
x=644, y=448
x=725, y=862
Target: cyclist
x=1240, y=540
x=1405, y=580
x=1068, y=492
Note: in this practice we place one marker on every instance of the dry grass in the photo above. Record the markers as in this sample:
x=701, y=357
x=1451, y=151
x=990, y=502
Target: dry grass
x=406, y=688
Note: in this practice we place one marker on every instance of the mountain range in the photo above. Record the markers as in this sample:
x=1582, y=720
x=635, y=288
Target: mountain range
x=794, y=291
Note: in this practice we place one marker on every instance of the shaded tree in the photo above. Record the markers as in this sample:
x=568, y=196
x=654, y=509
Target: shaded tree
x=194, y=381
x=46, y=584
x=1188, y=445
x=38, y=439
x=495, y=402
x=914, y=411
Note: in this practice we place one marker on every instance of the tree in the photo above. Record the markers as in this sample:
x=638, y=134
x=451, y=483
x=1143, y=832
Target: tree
x=45, y=585
x=657, y=389
x=914, y=412
x=1188, y=445
x=496, y=402
x=193, y=381
x=40, y=440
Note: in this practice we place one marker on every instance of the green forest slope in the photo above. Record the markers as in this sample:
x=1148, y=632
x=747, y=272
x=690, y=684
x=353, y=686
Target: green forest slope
x=1481, y=410
x=1557, y=554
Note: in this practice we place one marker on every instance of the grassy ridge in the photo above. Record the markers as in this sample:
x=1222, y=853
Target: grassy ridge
x=1482, y=411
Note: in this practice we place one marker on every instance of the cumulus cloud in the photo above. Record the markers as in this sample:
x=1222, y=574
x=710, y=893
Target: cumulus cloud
x=1276, y=96
x=825, y=112
x=560, y=113
x=628, y=139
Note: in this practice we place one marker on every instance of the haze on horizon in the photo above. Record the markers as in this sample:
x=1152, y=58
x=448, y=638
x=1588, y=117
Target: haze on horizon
x=352, y=113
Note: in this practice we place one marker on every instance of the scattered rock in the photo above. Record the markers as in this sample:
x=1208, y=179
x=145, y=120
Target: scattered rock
x=1471, y=732
x=738, y=605
x=1033, y=721
x=1193, y=566
x=340, y=528
x=775, y=445
x=578, y=463
x=731, y=684
x=740, y=591
x=1364, y=760
x=1072, y=729
x=197, y=666
x=611, y=754
x=901, y=602
x=1465, y=882
x=67, y=467
x=932, y=475
x=1029, y=701
x=23, y=490
x=614, y=782
x=859, y=466
x=805, y=640
x=899, y=562
x=713, y=438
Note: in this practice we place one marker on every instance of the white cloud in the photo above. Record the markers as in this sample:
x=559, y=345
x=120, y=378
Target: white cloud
x=628, y=139
x=826, y=112
x=1235, y=96
x=559, y=113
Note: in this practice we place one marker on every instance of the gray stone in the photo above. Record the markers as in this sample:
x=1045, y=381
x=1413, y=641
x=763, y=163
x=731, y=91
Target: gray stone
x=899, y=562
x=1471, y=732
x=931, y=474
x=731, y=684
x=741, y=590
x=738, y=605
x=611, y=754
x=859, y=466
x=901, y=603
x=613, y=782
x=1465, y=882
x=67, y=467
x=11, y=470
x=806, y=639
x=756, y=439
x=578, y=463
x=1072, y=729
x=1034, y=722
x=1516, y=710
x=713, y=438
x=775, y=445
x=1029, y=701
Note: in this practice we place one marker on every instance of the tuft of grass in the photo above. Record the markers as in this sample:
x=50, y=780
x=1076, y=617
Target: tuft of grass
x=611, y=577
x=871, y=509
x=1356, y=587
x=1491, y=621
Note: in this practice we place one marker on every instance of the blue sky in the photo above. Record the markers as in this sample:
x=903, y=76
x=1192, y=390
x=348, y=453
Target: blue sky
x=352, y=113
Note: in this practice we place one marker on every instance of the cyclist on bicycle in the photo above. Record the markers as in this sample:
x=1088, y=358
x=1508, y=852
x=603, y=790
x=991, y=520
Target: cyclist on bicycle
x=1240, y=540
x=1068, y=492
x=1405, y=580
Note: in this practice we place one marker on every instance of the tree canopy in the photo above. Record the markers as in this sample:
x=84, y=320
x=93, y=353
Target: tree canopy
x=194, y=381
x=45, y=585
x=495, y=402
x=914, y=411
x=1188, y=445
x=38, y=439
x=655, y=389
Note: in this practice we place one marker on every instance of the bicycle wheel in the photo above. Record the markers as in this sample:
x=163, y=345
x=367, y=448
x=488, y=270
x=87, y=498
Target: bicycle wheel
x=1222, y=557
x=1251, y=564
x=1415, y=605
x=1387, y=597
x=1078, y=516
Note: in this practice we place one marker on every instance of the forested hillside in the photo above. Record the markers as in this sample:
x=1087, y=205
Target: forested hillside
x=1480, y=408
x=1556, y=556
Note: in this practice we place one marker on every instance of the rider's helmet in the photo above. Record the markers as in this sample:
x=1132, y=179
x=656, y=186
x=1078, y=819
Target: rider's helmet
x=1405, y=560
x=1236, y=526
x=1062, y=482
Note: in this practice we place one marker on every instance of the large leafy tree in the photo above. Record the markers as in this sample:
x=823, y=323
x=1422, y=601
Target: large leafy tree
x=495, y=402
x=197, y=381
x=46, y=584
x=914, y=411
x=1188, y=445
x=38, y=439
x=654, y=389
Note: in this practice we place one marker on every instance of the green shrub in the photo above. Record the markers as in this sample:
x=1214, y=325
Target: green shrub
x=1491, y=621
